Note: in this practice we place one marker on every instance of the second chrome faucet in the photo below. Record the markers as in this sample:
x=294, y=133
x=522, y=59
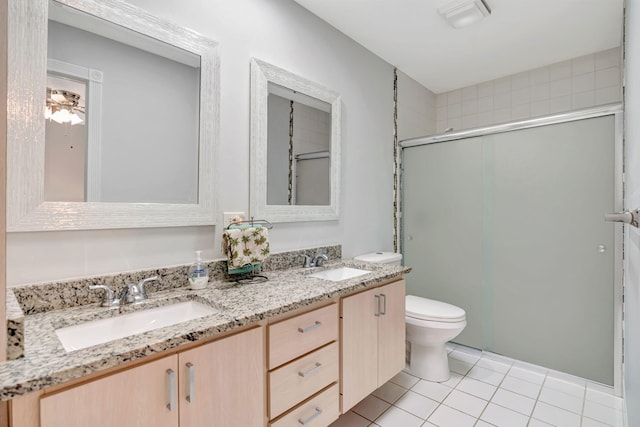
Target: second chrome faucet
x=317, y=261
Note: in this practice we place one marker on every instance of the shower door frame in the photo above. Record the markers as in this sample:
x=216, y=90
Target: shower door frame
x=614, y=110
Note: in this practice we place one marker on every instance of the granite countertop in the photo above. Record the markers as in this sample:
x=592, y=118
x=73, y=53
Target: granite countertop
x=46, y=363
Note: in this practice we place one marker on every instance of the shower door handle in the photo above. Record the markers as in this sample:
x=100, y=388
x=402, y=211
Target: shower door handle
x=630, y=217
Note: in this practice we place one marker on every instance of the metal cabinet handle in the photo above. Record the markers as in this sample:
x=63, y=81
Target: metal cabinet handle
x=377, y=305
x=310, y=371
x=191, y=382
x=171, y=390
x=384, y=304
x=311, y=418
x=310, y=328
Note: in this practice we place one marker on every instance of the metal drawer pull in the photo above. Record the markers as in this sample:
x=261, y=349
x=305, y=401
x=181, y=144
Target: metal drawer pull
x=171, y=390
x=311, y=418
x=310, y=328
x=310, y=371
x=191, y=370
x=384, y=304
x=377, y=305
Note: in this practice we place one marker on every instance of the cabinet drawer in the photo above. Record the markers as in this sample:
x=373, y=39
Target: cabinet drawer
x=319, y=411
x=302, y=378
x=301, y=334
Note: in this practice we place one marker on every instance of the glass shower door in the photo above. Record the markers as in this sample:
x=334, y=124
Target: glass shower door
x=509, y=226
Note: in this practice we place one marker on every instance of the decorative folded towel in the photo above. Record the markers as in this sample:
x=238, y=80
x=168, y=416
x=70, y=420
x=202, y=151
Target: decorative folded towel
x=246, y=247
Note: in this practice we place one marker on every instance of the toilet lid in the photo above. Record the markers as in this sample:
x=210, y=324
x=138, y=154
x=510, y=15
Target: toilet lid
x=428, y=309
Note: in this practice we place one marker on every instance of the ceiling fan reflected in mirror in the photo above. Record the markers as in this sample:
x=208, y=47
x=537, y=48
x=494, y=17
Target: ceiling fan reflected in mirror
x=63, y=106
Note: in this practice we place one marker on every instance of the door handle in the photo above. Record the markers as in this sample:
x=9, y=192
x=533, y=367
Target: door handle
x=191, y=372
x=630, y=217
x=377, y=305
x=171, y=390
x=384, y=304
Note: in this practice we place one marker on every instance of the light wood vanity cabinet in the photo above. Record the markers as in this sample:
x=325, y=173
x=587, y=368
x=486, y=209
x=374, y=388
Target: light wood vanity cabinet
x=217, y=384
x=304, y=369
x=229, y=386
x=136, y=396
x=373, y=340
x=311, y=367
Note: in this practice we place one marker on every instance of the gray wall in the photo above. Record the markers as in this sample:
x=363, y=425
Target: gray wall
x=632, y=193
x=149, y=117
x=286, y=35
x=416, y=109
x=278, y=150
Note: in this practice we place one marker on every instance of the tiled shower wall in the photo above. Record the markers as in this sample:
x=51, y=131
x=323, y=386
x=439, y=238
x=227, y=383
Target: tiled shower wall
x=582, y=82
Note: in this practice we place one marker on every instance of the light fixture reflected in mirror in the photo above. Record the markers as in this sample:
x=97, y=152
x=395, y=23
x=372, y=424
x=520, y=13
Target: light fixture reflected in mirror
x=63, y=106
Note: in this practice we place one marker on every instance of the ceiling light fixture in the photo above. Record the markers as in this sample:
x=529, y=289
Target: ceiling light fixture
x=63, y=107
x=462, y=13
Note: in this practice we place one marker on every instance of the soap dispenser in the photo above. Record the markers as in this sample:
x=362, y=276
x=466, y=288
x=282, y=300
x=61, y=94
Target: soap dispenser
x=198, y=273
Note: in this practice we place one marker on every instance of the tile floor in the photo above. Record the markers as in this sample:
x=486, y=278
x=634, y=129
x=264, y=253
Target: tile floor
x=487, y=390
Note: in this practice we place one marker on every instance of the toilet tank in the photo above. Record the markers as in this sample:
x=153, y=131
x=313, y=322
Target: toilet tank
x=390, y=258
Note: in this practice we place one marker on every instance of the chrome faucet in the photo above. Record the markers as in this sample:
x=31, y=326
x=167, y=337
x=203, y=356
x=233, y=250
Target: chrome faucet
x=317, y=261
x=137, y=292
x=130, y=294
x=109, y=299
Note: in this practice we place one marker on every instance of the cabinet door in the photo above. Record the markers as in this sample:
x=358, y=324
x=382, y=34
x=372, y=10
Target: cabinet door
x=359, y=347
x=222, y=384
x=391, y=331
x=135, y=397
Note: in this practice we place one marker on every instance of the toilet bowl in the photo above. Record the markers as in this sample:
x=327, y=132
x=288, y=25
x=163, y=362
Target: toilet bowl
x=430, y=325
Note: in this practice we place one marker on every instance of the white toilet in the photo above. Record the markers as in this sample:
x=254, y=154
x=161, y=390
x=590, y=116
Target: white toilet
x=430, y=325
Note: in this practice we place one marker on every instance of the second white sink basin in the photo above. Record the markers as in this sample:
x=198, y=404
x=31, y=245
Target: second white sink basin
x=99, y=331
x=339, y=274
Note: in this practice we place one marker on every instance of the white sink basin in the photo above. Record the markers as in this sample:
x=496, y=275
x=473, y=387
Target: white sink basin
x=99, y=331
x=339, y=274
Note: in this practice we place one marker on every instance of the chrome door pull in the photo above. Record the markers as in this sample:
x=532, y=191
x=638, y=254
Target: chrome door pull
x=308, y=420
x=171, y=390
x=384, y=304
x=310, y=371
x=630, y=217
x=377, y=305
x=310, y=328
x=191, y=371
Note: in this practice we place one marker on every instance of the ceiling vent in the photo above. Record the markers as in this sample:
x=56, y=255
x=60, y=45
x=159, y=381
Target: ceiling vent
x=462, y=13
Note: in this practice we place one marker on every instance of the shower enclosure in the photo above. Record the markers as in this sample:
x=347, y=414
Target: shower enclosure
x=507, y=222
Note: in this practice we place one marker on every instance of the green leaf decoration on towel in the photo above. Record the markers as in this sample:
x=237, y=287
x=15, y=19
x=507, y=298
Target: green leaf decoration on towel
x=245, y=246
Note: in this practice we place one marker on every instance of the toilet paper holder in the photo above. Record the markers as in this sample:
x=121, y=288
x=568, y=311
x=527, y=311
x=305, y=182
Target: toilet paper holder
x=630, y=217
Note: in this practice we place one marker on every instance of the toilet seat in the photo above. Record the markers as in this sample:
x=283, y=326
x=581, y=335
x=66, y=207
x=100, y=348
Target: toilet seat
x=436, y=311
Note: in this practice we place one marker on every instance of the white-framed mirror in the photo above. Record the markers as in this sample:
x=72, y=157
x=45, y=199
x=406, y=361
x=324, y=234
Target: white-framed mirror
x=295, y=147
x=123, y=182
